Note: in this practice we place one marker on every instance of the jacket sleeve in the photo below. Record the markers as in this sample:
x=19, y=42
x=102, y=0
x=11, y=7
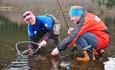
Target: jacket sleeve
x=63, y=44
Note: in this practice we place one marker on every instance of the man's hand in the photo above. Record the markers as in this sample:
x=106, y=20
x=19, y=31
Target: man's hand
x=42, y=44
x=55, y=52
x=69, y=30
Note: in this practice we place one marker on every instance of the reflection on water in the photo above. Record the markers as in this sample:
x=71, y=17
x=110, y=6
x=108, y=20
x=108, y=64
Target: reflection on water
x=47, y=62
x=44, y=61
x=20, y=63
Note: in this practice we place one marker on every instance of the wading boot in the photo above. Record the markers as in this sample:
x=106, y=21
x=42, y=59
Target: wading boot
x=85, y=58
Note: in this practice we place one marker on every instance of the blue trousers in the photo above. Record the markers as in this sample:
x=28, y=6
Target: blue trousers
x=87, y=41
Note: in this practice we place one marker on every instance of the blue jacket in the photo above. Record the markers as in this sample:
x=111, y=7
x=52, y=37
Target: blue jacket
x=43, y=23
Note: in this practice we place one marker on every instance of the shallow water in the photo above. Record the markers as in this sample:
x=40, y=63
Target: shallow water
x=44, y=61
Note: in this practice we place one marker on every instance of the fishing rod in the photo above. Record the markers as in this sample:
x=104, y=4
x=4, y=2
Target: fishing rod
x=63, y=16
x=62, y=13
x=74, y=45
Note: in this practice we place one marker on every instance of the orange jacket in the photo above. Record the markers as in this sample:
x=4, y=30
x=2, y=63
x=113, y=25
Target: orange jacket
x=94, y=25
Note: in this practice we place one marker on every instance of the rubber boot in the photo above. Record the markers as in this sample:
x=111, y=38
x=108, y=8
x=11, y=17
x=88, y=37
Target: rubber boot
x=95, y=52
x=85, y=58
x=101, y=54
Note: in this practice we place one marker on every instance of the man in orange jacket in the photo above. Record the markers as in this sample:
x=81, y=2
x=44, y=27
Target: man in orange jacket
x=89, y=33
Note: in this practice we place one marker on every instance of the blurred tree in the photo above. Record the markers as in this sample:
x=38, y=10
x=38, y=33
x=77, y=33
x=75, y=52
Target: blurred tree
x=110, y=3
x=107, y=3
x=1, y=1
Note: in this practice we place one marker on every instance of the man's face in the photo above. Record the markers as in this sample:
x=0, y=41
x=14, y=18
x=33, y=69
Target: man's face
x=30, y=20
x=75, y=19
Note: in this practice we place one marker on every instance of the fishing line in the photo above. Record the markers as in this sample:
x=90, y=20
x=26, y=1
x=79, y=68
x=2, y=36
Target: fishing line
x=64, y=18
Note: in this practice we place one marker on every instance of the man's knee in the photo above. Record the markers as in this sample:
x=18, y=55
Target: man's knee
x=89, y=39
x=88, y=34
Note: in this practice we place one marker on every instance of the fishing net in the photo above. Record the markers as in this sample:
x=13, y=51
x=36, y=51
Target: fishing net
x=26, y=48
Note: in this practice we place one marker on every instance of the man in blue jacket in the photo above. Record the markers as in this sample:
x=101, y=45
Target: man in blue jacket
x=38, y=27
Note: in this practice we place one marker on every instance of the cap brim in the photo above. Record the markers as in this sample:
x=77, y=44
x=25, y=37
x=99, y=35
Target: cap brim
x=27, y=17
